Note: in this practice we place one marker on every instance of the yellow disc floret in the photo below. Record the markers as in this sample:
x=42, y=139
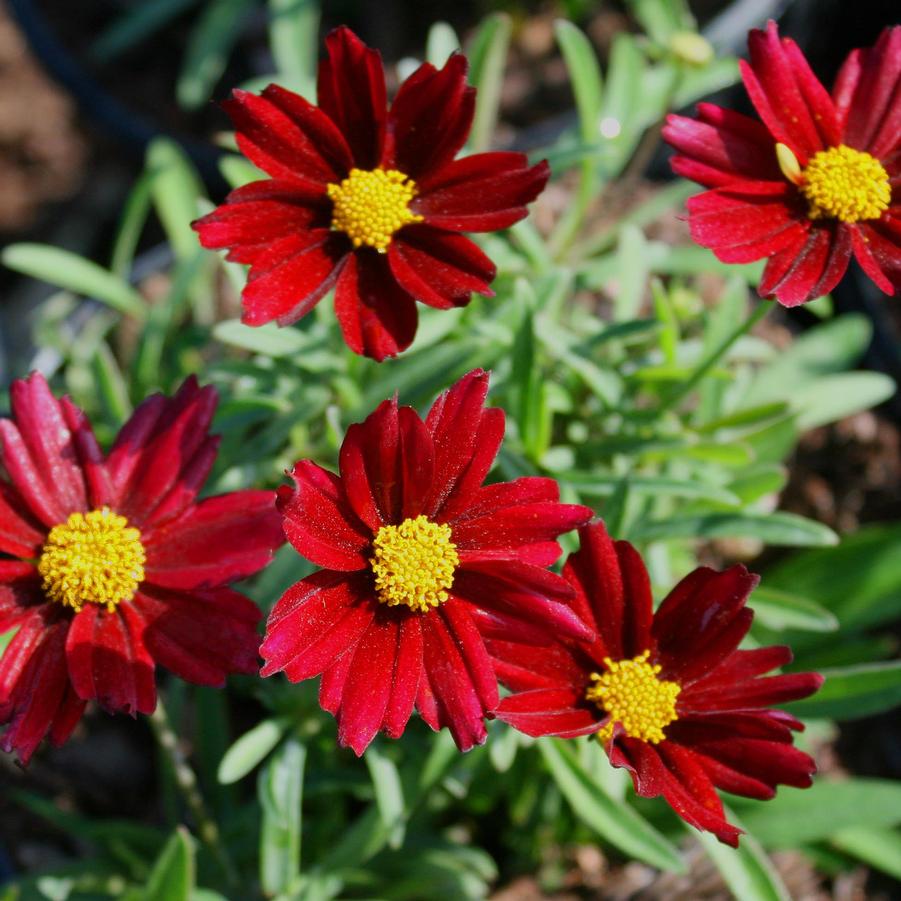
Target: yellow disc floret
x=631, y=692
x=371, y=205
x=94, y=558
x=846, y=184
x=414, y=563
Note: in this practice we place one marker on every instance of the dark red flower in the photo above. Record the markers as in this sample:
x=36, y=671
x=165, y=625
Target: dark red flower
x=110, y=565
x=668, y=693
x=366, y=200
x=422, y=562
x=813, y=183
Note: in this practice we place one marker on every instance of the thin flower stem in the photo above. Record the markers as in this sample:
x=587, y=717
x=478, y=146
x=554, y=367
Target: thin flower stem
x=186, y=780
x=683, y=390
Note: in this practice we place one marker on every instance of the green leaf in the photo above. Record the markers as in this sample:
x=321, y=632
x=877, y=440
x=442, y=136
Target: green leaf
x=176, y=188
x=209, y=45
x=660, y=18
x=833, y=397
x=622, y=101
x=633, y=274
x=280, y=791
x=74, y=273
x=603, y=485
x=852, y=692
x=614, y=821
x=780, y=610
x=747, y=870
x=250, y=749
x=859, y=581
x=269, y=339
x=584, y=75
x=487, y=58
x=134, y=25
x=389, y=796
x=172, y=876
x=294, y=40
x=798, y=817
x=771, y=528
x=880, y=848
x=131, y=224
x=440, y=44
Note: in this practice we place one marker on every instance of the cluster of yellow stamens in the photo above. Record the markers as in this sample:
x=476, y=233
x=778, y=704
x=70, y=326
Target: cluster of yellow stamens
x=414, y=563
x=839, y=183
x=631, y=692
x=94, y=558
x=371, y=205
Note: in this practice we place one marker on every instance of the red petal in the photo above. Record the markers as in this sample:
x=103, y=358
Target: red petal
x=201, y=636
x=156, y=445
x=480, y=193
x=260, y=213
x=319, y=522
x=775, y=89
x=377, y=317
x=33, y=683
x=811, y=272
x=755, y=693
x=457, y=701
x=550, y=711
x=220, y=540
x=769, y=762
x=39, y=452
x=877, y=247
x=424, y=138
x=316, y=621
x=747, y=222
x=472, y=649
x=721, y=147
x=67, y=717
x=701, y=620
x=288, y=139
x=20, y=591
x=747, y=664
x=466, y=438
x=517, y=589
x=108, y=661
x=351, y=91
x=442, y=269
x=367, y=686
x=20, y=533
x=873, y=110
x=292, y=276
x=407, y=676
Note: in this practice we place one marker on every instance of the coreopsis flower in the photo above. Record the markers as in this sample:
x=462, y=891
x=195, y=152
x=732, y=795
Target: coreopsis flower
x=364, y=199
x=817, y=180
x=667, y=694
x=420, y=562
x=110, y=565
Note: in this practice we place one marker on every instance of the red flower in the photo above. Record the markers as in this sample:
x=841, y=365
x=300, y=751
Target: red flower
x=116, y=566
x=817, y=180
x=366, y=200
x=422, y=562
x=667, y=693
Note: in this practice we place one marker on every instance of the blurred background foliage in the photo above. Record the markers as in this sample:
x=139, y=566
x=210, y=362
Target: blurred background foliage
x=634, y=368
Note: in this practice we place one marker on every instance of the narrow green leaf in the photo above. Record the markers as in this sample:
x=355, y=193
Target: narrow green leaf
x=135, y=25
x=584, y=75
x=798, y=817
x=280, y=791
x=780, y=610
x=833, y=397
x=173, y=874
x=175, y=187
x=772, y=528
x=747, y=870
x=74, y=273
x=440, y=44
x=852, y=692
x=633, y=274
x=131, y=224
x=269, y=339
x=614, y=821
x=880, y=848
x=250, y=749
x=487, y=58
x=389, y=796
x=294, y=40
x=209, y=45
x=603, y=485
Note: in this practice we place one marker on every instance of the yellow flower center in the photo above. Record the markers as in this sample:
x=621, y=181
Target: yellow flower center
x=371, y=205
x=633, y=695
x=414, y=563
x=840, y=183
x=94, y=558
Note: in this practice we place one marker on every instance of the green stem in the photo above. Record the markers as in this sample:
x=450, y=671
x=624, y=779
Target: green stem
x=186, y=780
x=683, y=390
